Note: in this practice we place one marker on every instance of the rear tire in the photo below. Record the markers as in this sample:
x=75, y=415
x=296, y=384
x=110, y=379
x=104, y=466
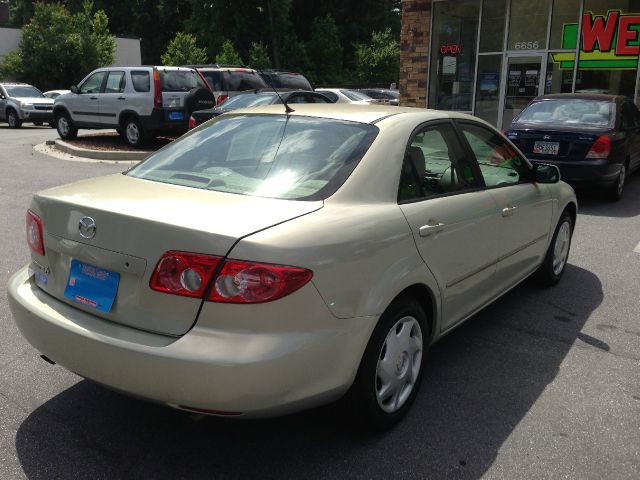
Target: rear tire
x=390, y=372
x=133, y=133
x=555, y=261
x=66, y=129
x=12, y=119
x=615, y=191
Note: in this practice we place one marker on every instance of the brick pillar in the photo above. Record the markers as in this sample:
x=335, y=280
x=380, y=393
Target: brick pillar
x=414, y=51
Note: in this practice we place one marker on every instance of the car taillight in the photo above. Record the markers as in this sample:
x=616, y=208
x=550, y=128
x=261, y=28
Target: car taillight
x=157, y=89
x=249, y=282
x=192, y=122
x=221, y=98
x=34, y=233
x=238, y=281
x=184, y=273
x=601, y=148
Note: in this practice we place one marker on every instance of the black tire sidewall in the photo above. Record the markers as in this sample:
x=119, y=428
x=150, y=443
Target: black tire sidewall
x=17, y=123
x=73, y=131
x=362, y=396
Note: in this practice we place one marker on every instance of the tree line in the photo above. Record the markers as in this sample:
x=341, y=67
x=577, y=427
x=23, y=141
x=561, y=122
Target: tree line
x=332, y=42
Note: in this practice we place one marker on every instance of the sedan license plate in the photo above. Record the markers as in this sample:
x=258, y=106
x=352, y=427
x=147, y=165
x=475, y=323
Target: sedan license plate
x=92, y=286
x=546, y=148
x=175, y=116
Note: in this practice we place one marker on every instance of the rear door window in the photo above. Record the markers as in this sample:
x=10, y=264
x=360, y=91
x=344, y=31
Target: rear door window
x=330, y=95
x=115, y=82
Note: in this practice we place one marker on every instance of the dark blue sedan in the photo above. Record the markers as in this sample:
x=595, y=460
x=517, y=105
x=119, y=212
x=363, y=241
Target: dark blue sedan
x=593, y=138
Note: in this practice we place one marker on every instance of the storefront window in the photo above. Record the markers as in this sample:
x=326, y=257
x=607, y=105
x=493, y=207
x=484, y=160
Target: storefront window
x=564, y=24
x=488, y=87
x=492, y=25
x=528, y=24
x=453, y=54
x=559, y=78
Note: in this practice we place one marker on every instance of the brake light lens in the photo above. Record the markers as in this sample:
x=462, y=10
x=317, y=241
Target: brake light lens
x=249, y=282
x=192, y=122
x=601, y=148
x=157, y=89
x=191, y=274
x=184, y=273
x=34, y=233
x=221, y=98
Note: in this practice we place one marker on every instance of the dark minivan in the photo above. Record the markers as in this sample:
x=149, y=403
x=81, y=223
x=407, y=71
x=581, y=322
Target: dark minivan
x=593, y=138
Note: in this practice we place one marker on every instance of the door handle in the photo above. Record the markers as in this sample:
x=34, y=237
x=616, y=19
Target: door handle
x=122, y=98
x=508, y=211
x=431, y=229
x=93, y=98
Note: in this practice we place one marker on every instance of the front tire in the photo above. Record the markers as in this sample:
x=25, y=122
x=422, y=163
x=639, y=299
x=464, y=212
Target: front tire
x=12, y=119
x=66, y=129
x=555, y=261
x=133, y=133
x=391, y=368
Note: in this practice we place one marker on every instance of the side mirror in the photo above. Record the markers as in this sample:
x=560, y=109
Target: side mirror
x=546, y=173
x=74, y=89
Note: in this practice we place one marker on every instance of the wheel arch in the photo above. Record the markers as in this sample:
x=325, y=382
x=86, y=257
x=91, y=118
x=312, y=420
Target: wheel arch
x=427, y=300
x=60, y=109
x=125, y=114
x=572, y=209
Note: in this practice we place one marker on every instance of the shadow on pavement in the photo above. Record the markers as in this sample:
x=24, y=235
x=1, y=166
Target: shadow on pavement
x=593, y=202
x=480, y=382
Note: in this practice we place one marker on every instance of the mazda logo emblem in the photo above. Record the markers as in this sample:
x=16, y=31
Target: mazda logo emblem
x=87, y=227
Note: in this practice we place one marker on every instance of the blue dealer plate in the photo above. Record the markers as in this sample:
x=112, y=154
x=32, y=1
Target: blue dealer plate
x=175, y=116
x=92, y=286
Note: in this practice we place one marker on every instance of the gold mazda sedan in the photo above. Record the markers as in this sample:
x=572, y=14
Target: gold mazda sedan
x=271, y=261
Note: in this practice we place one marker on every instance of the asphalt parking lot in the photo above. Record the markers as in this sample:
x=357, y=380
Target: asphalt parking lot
x=545, y=383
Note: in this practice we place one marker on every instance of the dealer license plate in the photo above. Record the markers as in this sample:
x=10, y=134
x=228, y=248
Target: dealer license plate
x=92, y=286
x=546, y=148
x=175, y=116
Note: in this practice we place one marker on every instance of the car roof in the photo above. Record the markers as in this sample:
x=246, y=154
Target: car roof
x=584, y=96
x=354, y=113
x=15, y=84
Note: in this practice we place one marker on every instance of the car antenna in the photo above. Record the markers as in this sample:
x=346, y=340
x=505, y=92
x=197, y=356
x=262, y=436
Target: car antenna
x=287, y=108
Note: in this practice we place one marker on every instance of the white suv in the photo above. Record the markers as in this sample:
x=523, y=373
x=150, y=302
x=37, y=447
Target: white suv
x=21, y=103
x=139, y=102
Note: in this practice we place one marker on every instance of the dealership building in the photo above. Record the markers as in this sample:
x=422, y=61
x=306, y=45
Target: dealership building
x=490, y=58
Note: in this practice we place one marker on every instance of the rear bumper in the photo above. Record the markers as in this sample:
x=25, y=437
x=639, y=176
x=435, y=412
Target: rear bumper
x=585, y=172
x=255, y=374
x=161, y=121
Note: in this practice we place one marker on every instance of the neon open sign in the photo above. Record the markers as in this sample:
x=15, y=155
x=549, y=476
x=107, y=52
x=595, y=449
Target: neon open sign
x=450, y=49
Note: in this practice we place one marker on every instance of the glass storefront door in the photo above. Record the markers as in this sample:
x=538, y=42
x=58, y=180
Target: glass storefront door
x=523, y=82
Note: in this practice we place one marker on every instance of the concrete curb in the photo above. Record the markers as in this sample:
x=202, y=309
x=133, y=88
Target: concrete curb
x=114, y=155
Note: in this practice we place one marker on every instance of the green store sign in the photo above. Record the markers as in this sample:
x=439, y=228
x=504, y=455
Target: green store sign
x=610, y=41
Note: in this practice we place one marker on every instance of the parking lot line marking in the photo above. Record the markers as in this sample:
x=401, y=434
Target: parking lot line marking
x=637, y=249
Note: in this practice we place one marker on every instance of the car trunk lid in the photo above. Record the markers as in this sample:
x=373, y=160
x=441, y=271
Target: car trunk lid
x=544, y=143
x=136, y=221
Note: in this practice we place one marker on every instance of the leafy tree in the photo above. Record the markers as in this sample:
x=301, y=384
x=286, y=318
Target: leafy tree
x=229, y=55
x=325, y=49
x=379, y=60
x=258, y=56
x=58, y=47
x=183, y=50
x=11, y=69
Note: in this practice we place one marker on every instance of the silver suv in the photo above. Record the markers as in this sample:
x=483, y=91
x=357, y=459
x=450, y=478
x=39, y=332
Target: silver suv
x=20, y=102
x=139, y=102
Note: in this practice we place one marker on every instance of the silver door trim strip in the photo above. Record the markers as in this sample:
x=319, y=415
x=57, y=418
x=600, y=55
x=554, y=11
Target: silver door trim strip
x=494, y=262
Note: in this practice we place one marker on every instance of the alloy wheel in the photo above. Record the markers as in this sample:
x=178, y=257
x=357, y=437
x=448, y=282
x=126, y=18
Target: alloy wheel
x=63, y=126
x=561, y=247
x=133, y=133
x=399, y=364
x=11, y=119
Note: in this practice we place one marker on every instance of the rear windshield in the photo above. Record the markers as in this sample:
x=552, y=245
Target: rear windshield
x=237, y=81
x=275, y=156
x=355, y=96
x=571, y=111
x=293, y=81
x=180, y=80
x=24, y=91
x=249, y=100
x=214, y=79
